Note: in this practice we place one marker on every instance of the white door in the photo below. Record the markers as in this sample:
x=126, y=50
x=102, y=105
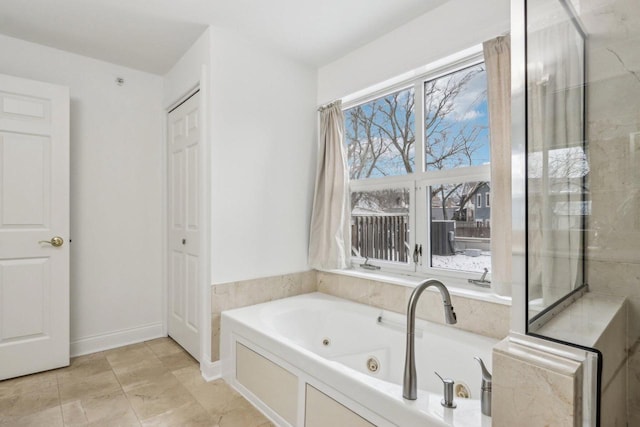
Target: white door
x=34, y=226
x=184, y=224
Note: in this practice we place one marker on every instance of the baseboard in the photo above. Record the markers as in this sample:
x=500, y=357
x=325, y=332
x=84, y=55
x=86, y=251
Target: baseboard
x=115, y=339
x=210, y=370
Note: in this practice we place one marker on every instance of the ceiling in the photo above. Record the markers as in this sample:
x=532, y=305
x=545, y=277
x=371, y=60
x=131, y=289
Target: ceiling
x=151, y=35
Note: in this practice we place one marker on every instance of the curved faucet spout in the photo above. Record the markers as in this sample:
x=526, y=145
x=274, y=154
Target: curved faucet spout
x=410, y=384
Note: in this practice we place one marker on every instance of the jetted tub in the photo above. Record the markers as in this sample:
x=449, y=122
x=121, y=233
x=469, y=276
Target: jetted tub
x=286, y=354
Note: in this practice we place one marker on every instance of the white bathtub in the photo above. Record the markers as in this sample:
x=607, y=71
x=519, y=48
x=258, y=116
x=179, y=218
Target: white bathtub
x=326, y=342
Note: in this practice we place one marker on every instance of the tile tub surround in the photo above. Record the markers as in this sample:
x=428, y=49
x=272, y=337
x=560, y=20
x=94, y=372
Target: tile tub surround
x=154, y=383
x=477, y=316
x=226, y=296
x=481, y=317
x=533, y=388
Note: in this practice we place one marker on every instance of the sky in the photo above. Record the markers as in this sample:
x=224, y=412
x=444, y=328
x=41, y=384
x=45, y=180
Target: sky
x=469, y=109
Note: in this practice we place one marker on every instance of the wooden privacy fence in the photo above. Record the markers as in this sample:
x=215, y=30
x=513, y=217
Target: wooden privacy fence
x=381, y=236
x=473, y=230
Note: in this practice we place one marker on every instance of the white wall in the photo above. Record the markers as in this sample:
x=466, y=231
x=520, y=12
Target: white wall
x=450, y=28
x=263, y=160
x=191, y=70
x=116, y=193
x=187, y=72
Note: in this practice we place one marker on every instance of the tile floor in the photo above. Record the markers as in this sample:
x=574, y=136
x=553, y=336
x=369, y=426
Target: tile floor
x=155, y=383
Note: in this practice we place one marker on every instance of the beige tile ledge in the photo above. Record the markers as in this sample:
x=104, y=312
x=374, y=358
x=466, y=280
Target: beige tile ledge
x=543, y=355
x=456, y=286
x=584, y=321
x=596, y=321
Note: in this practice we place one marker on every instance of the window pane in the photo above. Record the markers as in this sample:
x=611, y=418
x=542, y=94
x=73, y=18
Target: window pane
x=460, y=228
x=380, y=136
x=456, y=120
x=380, y=224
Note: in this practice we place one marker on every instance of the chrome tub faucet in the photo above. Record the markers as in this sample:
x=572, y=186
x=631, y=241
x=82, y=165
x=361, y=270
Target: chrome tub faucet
x=410, y=383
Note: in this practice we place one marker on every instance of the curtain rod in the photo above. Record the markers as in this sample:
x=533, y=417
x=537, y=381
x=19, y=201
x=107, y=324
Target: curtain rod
x=329, y=105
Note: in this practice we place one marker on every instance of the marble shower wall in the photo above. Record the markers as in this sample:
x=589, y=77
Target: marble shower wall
x=613, y=135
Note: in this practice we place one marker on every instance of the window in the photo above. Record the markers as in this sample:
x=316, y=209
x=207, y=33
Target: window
x=380, y=136
x=380, y=224
x=486, y=199
x=419, y=168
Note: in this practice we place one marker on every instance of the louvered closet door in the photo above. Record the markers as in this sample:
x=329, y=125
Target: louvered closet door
x=184, y=224
x=34, y=226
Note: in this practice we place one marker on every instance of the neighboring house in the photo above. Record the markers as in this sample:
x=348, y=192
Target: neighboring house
x=482, y=203
x=438, y=215
x=478, y=207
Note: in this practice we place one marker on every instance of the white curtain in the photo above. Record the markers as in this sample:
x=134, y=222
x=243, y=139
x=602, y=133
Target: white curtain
x=556, y=160
x=329, y=245
x=497, y=57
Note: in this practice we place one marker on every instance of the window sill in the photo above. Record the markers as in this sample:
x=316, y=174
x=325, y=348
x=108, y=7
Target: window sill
x=456, y=286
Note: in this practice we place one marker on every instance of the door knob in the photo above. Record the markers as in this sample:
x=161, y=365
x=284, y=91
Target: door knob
x=55, y=241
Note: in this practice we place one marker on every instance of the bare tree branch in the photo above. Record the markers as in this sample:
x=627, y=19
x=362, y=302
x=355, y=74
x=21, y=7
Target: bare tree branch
x=381, y=137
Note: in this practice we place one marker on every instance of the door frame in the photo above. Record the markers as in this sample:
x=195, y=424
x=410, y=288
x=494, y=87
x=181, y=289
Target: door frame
x=208, y=369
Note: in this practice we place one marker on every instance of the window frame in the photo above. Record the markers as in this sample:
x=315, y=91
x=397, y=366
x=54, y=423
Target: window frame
x=419, y=179
x=449, y=176
x=372, y=184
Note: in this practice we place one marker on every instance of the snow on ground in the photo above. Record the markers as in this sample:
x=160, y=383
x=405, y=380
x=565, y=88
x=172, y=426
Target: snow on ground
x=463, y=262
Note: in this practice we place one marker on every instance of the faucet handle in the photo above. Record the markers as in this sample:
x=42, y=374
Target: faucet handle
x=485, y=389
x=486, y=375
x=447, y=400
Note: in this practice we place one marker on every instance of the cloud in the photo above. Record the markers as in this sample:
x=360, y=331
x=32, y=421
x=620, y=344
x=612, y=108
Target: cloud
x=465, y=105
x=470, y=115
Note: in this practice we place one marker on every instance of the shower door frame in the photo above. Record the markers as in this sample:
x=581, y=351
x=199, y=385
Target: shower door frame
x=520, y=324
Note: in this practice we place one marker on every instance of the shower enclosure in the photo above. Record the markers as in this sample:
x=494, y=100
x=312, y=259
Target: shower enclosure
x=557, y=165
x=576, y=173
